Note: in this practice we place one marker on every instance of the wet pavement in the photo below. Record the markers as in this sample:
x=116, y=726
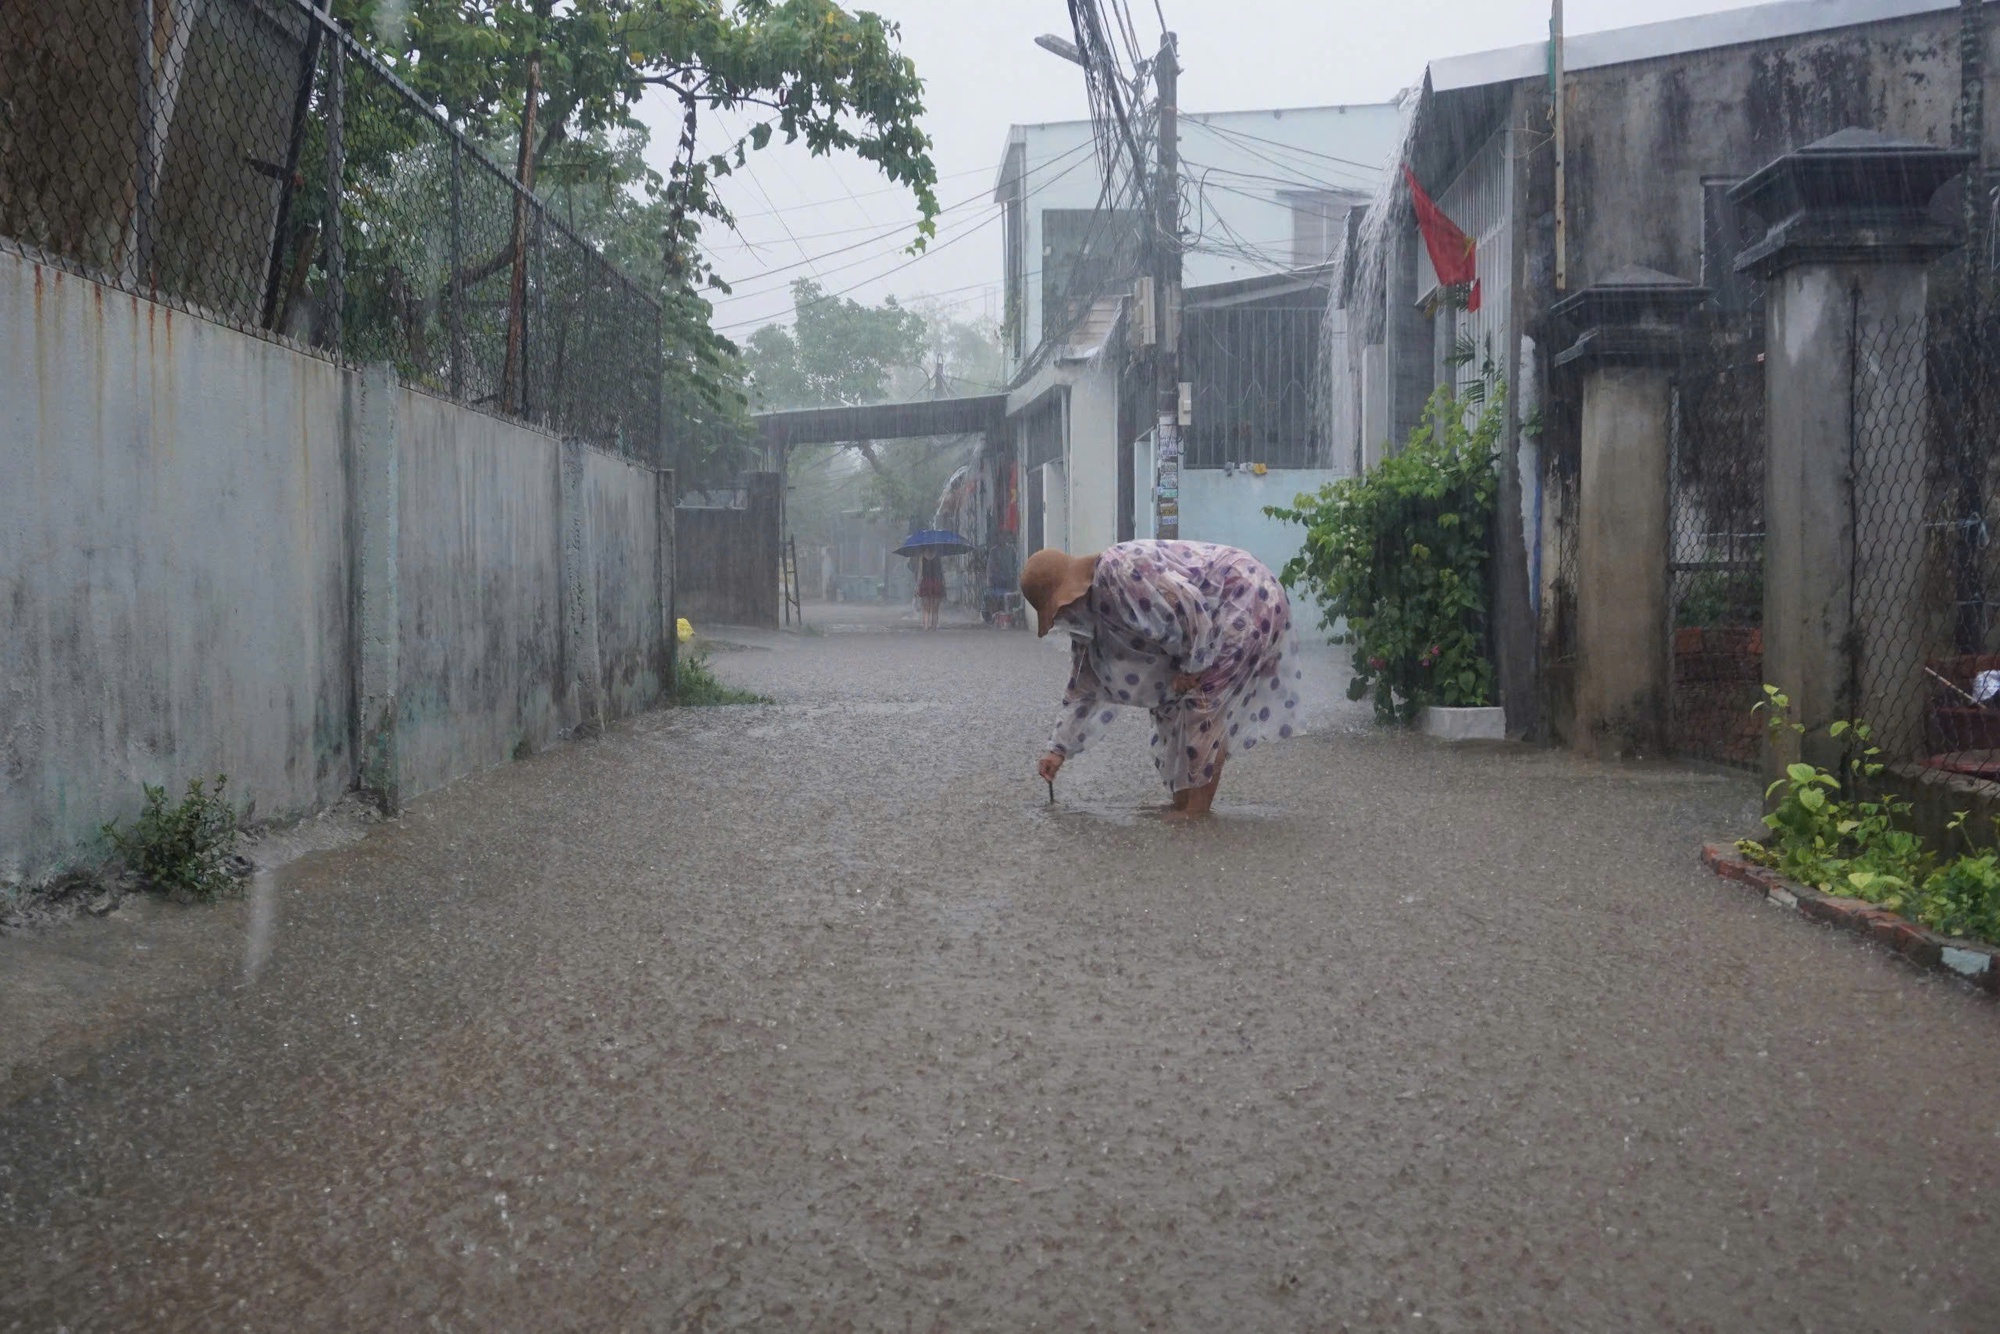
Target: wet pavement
x=815, y=1015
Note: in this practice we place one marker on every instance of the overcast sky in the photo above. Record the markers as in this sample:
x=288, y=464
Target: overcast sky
x=835, y=220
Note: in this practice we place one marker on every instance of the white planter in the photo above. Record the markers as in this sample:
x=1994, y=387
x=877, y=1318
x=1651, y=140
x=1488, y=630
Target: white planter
x=1481, y=724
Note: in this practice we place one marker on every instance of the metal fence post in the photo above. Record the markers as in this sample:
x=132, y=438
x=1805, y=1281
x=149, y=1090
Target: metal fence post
x=455, y=304
x=657, y=365
x=336, y=112
x=274, y=275
x=145, y=169
x=533, y=394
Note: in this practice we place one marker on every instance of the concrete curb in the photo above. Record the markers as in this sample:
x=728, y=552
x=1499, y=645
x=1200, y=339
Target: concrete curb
x=1966, y=959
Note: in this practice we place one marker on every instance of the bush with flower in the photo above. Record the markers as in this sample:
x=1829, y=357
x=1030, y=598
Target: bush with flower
x=1402, y=556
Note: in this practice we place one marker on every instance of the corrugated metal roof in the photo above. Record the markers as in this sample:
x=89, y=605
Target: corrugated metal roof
x=1649, y=41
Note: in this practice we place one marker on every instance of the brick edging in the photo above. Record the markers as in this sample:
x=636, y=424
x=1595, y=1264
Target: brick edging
x=1976, y=963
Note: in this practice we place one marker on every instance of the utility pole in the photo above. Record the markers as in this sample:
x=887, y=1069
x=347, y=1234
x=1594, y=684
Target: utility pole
x=1562, y=171
x=1167, y=296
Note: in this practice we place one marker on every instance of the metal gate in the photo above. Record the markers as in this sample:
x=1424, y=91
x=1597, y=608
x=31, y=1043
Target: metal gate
x=1715, y=561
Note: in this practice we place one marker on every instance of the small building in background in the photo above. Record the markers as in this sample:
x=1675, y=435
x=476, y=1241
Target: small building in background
x=1267, y=200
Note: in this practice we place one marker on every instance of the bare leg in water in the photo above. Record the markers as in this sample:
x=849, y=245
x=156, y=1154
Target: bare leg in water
x=1193, y=803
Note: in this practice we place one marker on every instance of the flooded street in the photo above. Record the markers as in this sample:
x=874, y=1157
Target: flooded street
x=816, y=1015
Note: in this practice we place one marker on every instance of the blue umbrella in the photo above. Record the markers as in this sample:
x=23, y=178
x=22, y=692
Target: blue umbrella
x=933, y=542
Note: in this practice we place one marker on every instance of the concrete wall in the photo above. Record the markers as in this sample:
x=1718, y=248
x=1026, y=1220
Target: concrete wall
x=1644, y=135
x=219, y=554
x=479, y=592
x=1221, y=507
x=633, y=621
x=175, y=558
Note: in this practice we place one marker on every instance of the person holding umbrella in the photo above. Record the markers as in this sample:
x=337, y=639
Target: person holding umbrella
x=1198, y=634
x=927, y=550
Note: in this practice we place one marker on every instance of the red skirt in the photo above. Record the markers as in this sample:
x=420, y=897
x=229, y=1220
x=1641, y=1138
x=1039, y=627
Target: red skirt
x=930, y=588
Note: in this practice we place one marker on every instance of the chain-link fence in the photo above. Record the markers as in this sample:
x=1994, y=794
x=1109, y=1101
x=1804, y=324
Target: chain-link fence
x=250, y=162
x=1715, y=560
x=1922, y=631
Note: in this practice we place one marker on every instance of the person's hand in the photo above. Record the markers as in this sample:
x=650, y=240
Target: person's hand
x=1047, y=768
x=1185, y=682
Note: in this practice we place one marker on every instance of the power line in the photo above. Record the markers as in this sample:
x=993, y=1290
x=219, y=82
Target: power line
x=1291, y=182
x=957, y=237
x=829, y=296
x=871, y=194
x=883, y=232
x=1370, y=170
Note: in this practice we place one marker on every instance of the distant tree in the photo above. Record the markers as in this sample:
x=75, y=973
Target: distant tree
x=840, y=352
x=556, y=87
x=834, y=80
x=960, y=357
x=837, y=352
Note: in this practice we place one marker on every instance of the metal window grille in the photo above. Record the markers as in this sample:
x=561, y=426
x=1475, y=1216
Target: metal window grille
x=1256, y=386
x=248, y=161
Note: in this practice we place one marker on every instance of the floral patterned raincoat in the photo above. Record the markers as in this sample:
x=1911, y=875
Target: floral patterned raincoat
x=1159, y=608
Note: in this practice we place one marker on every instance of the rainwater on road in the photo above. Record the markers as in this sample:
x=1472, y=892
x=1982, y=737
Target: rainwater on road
x=816, y=1015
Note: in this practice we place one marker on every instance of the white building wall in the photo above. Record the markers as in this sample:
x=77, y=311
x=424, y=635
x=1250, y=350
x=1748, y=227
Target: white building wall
x=1240, y=166
x=1093, y=458
x=1055, y=506
x=1217, y=506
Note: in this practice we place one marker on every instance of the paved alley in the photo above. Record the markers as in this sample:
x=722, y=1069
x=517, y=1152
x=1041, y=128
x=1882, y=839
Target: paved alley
x=817, y=1016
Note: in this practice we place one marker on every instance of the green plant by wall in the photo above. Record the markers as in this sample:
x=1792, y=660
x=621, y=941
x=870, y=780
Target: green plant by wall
x=183, y=849
x=1858, y=847
x=1403, y=554
x=696, y=686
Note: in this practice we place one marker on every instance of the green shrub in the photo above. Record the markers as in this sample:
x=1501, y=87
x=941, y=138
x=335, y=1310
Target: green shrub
x=1402, y=554
x=695, y=685
x=1859, y=848
x=184, y=849
x=1962, y=898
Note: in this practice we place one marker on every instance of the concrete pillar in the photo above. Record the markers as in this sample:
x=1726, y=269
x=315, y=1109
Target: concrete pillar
x=374, y=449
x=579, y=595
x=1631, y=327
x=1850, y=232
